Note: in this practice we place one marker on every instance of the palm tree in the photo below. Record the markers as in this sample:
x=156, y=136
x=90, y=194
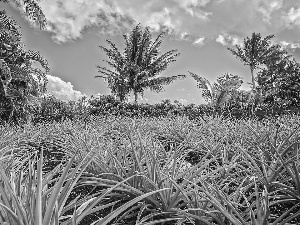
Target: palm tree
x=256, y=52
x=33, y=11
x=8, y=29
x=137, y=67
x=17, y=84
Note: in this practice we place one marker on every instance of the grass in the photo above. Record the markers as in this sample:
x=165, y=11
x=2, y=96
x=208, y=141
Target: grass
x=158, y=171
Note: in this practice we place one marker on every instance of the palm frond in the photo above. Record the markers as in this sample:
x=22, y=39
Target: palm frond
x=156, y=83
x=222, y=97
x=202, y=82
x=8, y=25
x=229, y=81
x=32, y=11
x=107, y=73
x=35, y=56
x=153, y=50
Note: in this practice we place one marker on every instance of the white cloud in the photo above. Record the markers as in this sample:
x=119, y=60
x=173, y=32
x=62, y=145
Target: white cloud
x=62, y=90
x=194, y=7
x=183, y=101
x=266, y=8
x=293, y=17
x=97, y=95
x=199, y=41
x=68, y=19
x=290, y=46
x=221, y=39
x=197, y=12
x=184, y=36
x=236, y=41
x=192, y=38
x=159, y=19
x=183, y=19
x=225, y=39
x=187, y=3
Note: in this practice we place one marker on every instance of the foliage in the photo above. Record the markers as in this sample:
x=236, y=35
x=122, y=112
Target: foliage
x=245, y=173
x=41, y=199
x=20, y=90
x=32, y=10
x=240, y=98
x=280, y=82
x=107, y=105
x=255, y=52
x=135, y=69
x=220, y=92
x=52, y=109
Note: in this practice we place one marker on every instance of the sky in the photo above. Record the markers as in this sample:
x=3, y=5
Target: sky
x=201, y=31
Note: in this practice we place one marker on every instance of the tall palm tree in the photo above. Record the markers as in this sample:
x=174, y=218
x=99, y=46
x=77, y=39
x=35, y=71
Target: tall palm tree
x=256, y=52
x=137, y=68
x=33, y=11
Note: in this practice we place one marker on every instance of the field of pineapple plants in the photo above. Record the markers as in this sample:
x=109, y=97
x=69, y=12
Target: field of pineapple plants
x=77, y=165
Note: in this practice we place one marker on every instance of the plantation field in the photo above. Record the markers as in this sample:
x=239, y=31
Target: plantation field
x=168, y=170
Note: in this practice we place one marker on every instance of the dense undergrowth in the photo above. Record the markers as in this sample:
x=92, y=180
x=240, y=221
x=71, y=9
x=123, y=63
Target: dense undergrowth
x=198, y=168
x=52, y=109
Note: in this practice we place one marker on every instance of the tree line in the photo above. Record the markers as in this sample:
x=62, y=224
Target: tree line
x=274, y=73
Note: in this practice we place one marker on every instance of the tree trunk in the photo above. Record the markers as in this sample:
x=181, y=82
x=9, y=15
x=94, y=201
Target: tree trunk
x=135, y=97
x=121, y=95
x=121, y=98
x=252, y=76
x=253, y=91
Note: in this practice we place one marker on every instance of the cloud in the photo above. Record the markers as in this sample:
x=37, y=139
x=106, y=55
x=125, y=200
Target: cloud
x=68, y=19
x=221, y=39
x=186, y=20
x=266, y=8
x=161, y=19
x=199, y=41
x=189, y=3
x=170, y=15
x=182, y=101
x=196, y=8
x=62, y=90
x=225, y=39
x=292, y=18
x=185, y=36
x=290, y=46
